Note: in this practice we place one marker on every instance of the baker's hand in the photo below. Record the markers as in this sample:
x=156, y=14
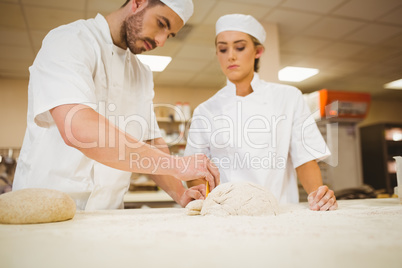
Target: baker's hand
x=193, y=193
x=322, y=199
x=198, y=166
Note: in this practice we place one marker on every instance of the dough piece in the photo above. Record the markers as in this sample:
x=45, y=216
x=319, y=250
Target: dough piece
x=194, y=207
x=241, y=198
x=36, y=206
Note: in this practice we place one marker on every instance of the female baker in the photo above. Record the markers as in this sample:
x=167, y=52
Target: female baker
x=255, y=130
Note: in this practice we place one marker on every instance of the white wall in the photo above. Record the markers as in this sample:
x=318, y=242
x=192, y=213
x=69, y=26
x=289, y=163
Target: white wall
x=193, y=96
x=384, y=111
x=13, y=112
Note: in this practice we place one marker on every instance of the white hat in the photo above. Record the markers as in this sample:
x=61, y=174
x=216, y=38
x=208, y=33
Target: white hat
x=183, y=8
x=241, y=23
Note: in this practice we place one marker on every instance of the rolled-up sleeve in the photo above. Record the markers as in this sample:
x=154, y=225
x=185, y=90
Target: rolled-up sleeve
x=307, y=142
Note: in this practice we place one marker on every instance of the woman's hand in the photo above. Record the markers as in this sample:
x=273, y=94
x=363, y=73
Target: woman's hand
x=322, y=199
x=193, y=193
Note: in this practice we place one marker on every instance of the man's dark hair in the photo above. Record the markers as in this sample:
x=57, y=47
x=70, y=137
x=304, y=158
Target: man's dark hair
x=150, y=3
x=125, y=4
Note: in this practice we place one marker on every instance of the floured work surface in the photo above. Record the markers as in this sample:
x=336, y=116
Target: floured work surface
x=361, y=233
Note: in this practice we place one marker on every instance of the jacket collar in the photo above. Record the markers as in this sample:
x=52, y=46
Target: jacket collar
x=104, y=26
x=255, y=84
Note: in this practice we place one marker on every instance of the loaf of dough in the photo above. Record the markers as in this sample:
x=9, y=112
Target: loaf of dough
x=35, y=206
x=241, y=198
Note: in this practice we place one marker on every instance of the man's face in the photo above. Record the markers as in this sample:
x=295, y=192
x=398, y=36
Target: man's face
x=149, y=28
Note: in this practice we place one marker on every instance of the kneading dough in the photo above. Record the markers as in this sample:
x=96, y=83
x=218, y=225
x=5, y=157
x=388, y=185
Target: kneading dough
x=194, y=207
x=241, y=198
x=36, y=206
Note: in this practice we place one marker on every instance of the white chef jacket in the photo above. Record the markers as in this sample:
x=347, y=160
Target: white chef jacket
x=261, y=137
x=79, y=64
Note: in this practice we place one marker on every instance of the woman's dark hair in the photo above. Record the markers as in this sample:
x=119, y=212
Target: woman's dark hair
x=150, y=3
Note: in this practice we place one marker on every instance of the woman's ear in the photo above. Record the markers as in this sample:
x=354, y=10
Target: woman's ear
x=260, y=50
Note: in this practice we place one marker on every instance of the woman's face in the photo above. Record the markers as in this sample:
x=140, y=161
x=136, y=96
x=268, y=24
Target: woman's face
x=236, y=54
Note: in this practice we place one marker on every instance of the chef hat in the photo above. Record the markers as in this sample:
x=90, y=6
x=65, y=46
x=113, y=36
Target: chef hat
x=183, y=8
x=241, y=23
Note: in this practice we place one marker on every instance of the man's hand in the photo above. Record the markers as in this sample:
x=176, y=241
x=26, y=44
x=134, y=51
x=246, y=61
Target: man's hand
x=198, y=166
x=193, y=193
x=322, y=199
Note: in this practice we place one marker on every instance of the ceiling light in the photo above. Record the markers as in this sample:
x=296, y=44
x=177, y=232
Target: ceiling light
x=296, y=74
x=156, y=63
x=397, y=84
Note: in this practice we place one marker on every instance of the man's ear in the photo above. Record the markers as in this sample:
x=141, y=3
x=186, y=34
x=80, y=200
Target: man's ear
x=138, y=4
x=260, y=50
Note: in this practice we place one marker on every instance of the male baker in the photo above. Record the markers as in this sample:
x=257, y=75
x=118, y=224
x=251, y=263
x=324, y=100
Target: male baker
x=90, y=113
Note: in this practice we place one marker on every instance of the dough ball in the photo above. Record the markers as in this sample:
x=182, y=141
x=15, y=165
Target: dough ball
x=36, y=206
x=241, y=198
x=194, y=207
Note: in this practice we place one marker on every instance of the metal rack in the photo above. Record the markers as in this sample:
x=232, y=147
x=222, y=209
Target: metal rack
x=8, y=163
x=378, y=149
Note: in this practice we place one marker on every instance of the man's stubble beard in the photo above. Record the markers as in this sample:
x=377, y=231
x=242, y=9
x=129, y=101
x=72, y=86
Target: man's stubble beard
x=131, y=32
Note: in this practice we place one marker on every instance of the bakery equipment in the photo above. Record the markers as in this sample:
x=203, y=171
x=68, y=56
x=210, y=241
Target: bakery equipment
x=337, y=114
